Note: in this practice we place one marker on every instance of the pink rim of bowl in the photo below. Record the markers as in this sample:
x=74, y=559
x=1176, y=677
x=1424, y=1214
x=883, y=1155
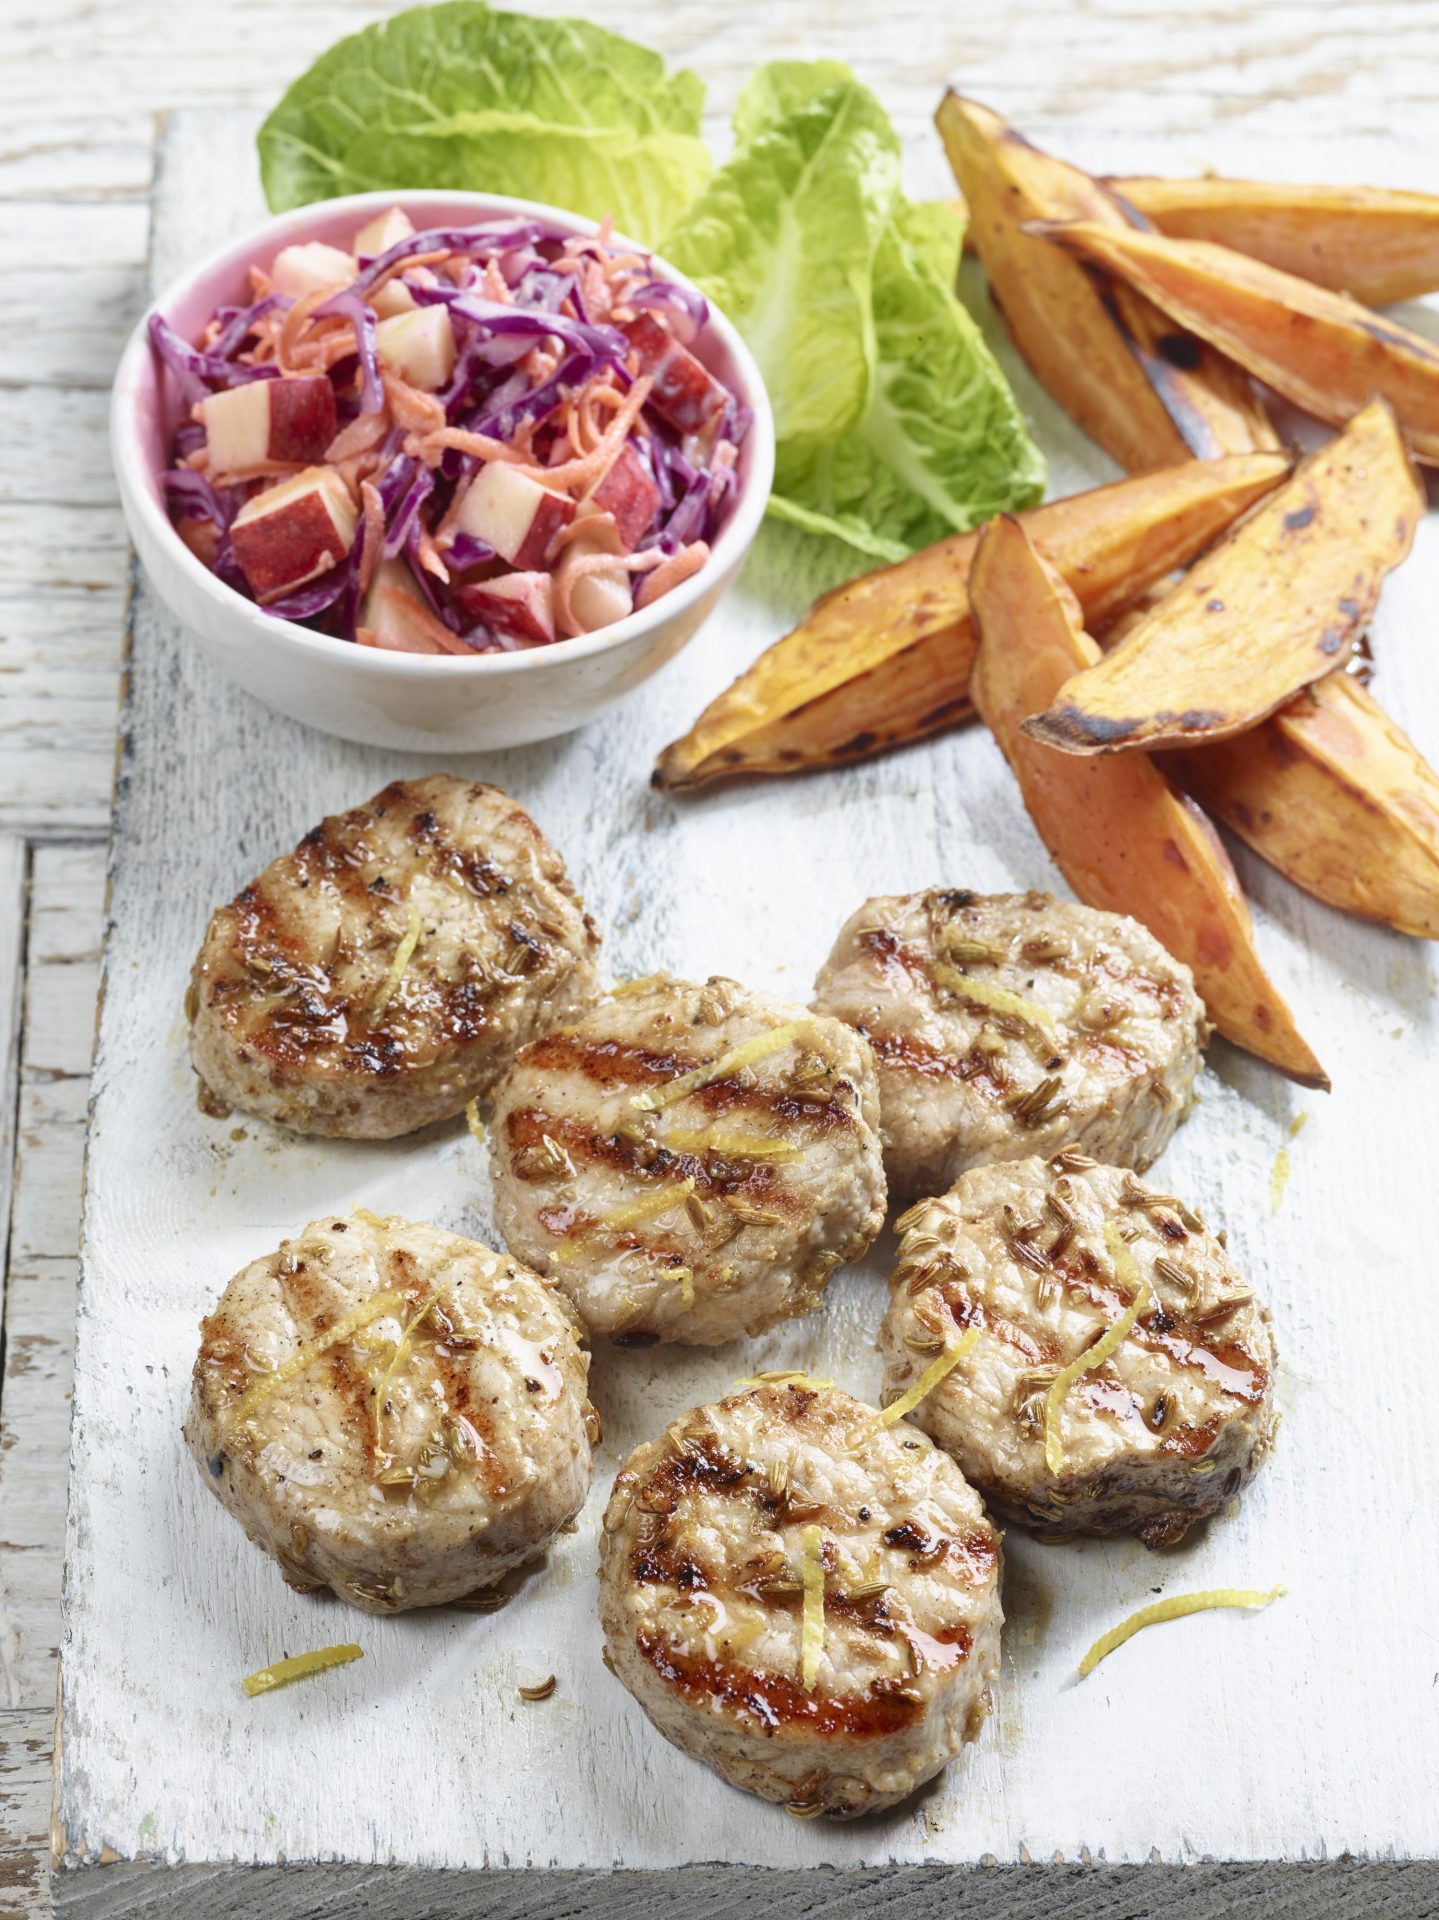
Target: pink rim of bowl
x=408, y=701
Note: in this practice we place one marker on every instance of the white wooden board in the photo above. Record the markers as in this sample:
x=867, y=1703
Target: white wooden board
x=1296, y=1736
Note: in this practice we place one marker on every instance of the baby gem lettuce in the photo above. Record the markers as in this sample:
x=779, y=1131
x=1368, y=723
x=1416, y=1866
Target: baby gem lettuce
x=463, y=96
x=894, y=424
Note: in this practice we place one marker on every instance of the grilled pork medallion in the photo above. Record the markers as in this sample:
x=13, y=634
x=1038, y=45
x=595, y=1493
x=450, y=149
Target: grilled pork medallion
x=689, y=1162
x=1123, y=1376
x=386, y=971
x=802, y=1597
x=392, y=1412
x=1007, y=1024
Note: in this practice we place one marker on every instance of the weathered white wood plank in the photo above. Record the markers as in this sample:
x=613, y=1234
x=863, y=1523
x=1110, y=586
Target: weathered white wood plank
x=39, y=1334
x=12, y=947
x=26, y=1786
x=164, y=1760
x=58, y=971
x=61, y=975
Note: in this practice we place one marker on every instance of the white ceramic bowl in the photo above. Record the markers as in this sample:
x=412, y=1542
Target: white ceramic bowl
x=408, y=701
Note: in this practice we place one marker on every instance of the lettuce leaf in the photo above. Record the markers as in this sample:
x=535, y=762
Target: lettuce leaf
x=465, y=96
x=783, y=239
x=894, y=423
x=941, y=445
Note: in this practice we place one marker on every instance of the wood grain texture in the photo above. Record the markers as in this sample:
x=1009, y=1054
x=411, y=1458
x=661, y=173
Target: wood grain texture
x=164, y=1761
x=55, y=973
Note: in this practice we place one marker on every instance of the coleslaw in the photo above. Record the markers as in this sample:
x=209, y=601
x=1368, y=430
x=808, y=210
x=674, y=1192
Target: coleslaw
x=461, y=440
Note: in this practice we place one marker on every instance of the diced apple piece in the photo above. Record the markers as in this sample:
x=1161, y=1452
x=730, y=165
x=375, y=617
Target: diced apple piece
x=521, y=604
x=396, y=617
x=293, y=533
x=513, y=514
x=419, y=346
x=377, y=236
x=311, y=268
x=392, y=298
x=629, y=495
x=290, y=419
x=596, y=599
x=684, y=392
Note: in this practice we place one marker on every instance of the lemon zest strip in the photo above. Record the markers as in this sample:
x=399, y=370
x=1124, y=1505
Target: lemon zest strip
x=811, y=1639
x=387, y=1300
x=299, y=1666
x=402, y=1348
x=1176, y=1607
x=1126, y=1268
x=648, y=1208
x=653, y=1099
x=733, y=1146
x=929, y=1379
x=1279, y=1178
x=999, y=998
x=404, y=953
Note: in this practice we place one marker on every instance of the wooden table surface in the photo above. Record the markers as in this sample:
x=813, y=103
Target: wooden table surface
x=80, y=88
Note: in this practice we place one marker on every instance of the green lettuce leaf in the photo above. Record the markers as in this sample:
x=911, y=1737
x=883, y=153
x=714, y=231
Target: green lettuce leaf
x=464, y=96
x=783, y=239
x=941, y=444
x=894, y=424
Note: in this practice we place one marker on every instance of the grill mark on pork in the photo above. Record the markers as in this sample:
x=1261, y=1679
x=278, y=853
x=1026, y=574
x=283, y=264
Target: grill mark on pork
x=355, y=1391
x=458, y=1402
x=1035, y=1344
x=1109, y=1053
x=907, y=1052
x=970, y=1555
x=222, y=1353
x=618, y=1063
x=894, y=960
x=758, y=1184
x=604, y=1063
x=1190, y=1443
x=775, y=1701
x=919, y=1056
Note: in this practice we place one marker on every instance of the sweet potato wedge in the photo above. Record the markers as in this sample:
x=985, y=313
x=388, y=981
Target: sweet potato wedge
x=1331, y=792
x=1373, y=243
x=1277, y=605
x=1321, y=350
x=1121, y=833
x=1148, y=394
x=884, y=660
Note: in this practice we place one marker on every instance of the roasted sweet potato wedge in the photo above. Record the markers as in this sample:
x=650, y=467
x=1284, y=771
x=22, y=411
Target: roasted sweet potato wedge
x=1146, y=392
x=1331, y=792
x=1121, y=833
x=885, y=659
x=1373, y=243
x=1277, y=605
x=1321, y=350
